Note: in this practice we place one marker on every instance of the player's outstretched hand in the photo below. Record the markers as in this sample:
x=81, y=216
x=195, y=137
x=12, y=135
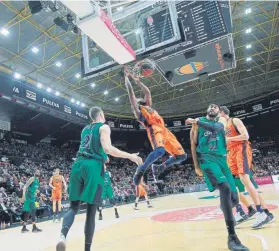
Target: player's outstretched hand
x=135, y=158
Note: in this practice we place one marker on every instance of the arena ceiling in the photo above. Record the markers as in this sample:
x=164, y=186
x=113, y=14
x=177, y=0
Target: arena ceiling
x=256, y=77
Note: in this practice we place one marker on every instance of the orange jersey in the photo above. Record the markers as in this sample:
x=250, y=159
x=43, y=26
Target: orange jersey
x=140, y=190
x=150, y=117
x=231, y=131
x=57, y=182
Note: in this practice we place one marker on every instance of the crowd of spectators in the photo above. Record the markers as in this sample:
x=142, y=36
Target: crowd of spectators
x=19, y=161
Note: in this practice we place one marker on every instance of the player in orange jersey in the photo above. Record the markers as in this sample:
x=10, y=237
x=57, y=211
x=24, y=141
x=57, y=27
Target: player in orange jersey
x=161, y=139
x=239, y=159
x=141, y=192
x=56, y=182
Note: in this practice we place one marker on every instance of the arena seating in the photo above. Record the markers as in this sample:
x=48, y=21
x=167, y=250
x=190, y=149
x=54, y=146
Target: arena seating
x=19, y=161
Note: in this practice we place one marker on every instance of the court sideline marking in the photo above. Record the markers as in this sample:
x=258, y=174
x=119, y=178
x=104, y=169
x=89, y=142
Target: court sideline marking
x=262, y=239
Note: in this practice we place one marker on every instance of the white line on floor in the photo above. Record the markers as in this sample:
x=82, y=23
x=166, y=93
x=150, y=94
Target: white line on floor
x=262, y=239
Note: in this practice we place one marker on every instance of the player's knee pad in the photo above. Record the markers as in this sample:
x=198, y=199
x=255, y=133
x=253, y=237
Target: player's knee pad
x=224, y=188
x=159, y=152
x=75, y=206
x=234, y=198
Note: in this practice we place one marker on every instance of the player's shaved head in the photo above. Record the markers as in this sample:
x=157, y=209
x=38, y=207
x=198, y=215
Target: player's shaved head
x=94, y=112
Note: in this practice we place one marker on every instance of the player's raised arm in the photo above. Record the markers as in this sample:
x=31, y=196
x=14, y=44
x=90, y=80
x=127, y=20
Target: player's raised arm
x=243, y=133
x=132, y=97
x=145, y=89
x=111, y=150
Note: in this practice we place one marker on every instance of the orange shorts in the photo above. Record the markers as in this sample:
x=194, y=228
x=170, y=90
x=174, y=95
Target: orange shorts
x=56, y=195
x=165, y=138
x=239, y=159
x=140, y=192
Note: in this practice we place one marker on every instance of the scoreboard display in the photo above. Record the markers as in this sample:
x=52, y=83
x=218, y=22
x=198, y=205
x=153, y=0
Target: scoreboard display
x=203, y=21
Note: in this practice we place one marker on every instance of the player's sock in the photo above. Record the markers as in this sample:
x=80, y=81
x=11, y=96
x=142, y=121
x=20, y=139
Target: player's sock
x=267, y=211
x=239, y=209
x=89, y=226
x=259, y=208
x=69, y=217
x=250, y=208
x=226, y=204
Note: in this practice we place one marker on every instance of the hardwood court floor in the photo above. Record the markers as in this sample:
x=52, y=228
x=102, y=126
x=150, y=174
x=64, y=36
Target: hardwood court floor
x=176, y=223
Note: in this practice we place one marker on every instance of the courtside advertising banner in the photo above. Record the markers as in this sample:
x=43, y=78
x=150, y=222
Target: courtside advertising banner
x=275, y=178
x=263, y=180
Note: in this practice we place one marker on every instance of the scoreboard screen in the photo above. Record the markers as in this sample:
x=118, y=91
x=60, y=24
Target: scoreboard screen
x=203, y=21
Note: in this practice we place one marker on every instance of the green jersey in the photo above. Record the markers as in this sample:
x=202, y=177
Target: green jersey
x=211, y=143
x=32, y=188
x=107, y=178
x=90, y=145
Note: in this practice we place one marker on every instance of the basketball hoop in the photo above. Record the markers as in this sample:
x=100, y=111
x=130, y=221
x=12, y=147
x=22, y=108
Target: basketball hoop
x=143, y=68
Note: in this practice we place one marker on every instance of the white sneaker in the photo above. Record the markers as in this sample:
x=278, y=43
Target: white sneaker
x=61, y=245
x=240, y=218
x=261, y=219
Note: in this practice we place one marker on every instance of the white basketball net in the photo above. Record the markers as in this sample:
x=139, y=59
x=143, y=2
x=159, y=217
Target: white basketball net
x=136, y=70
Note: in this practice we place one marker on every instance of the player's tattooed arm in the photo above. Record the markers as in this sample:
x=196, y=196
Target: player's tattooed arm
x=28, y=183
x=193, y=141
x=132, y=97
x=243, y=133
x=147, y=93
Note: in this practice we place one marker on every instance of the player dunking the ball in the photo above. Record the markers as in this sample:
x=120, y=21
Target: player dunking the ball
x=240, y=161
x=87, y=175
x=56, y=182
x=141, y=192
x=108, y=193
x=208, y=146
x=161, y=139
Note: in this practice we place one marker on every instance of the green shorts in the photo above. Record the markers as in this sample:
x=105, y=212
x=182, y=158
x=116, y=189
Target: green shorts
x=29, y=205
x=86, y=181
x=216, y=171
x=107, y=192
x=241, y=187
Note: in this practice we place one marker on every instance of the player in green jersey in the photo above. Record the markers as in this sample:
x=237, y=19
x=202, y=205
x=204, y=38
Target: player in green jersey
x=208, y=146
x=108, y=193
x=87, y=175
x=29, y=199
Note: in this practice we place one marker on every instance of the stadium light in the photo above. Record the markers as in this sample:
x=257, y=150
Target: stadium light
x=248, y=46
x=181, y=90
x=77, y=75
x=57, y=93
x=17, y=75
x=105, y=92
x=5, y=32
x=77, y=102
x=93, y=85
x=248, y=59
x=73, y=100
x=82, y=105
x=248, y=11
x=249, y=30
x=58, y=64
x=48, y=89
x=39, y=85
x=249, y=69
x=35, y=50
x=116, y=99
x=119, y=8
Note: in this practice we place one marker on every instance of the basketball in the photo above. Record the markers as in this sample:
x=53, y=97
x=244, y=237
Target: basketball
x=146, y=68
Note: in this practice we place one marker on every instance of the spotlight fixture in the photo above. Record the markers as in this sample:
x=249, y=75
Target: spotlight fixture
x=17, y=75
x=249, y=30
x=5, y=32
x=39, y=85
x=35, y=50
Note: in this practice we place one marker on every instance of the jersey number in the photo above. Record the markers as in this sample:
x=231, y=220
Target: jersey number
x=86, y=141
